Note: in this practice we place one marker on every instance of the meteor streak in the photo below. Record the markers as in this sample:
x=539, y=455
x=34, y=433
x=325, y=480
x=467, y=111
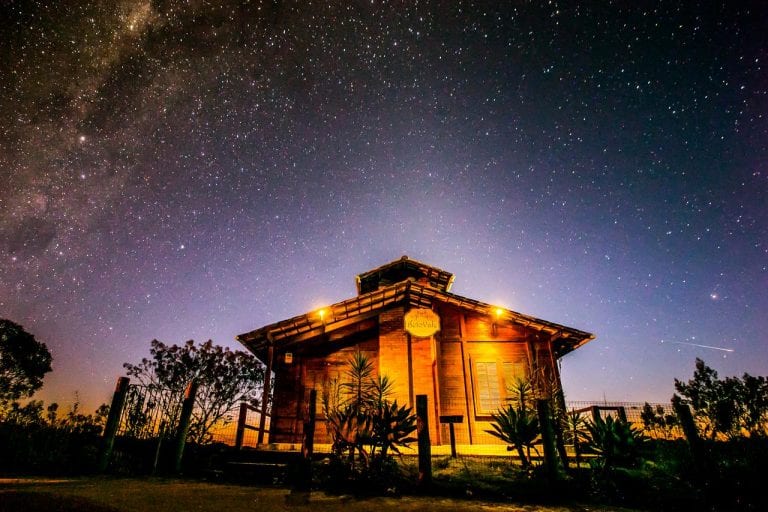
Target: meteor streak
x=699, y=345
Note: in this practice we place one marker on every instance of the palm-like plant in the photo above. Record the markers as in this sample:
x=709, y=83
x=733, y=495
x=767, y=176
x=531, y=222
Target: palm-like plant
x=393, y=426
x=362, y=421
x=575, y=432
x=518, y=427
x=359, y=387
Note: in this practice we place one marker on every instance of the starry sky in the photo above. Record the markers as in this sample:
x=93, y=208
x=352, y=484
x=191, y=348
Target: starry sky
x=197, y=169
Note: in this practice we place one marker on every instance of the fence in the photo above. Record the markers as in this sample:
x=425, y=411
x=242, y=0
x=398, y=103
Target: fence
x=472, y=438
x=146, y=422
x=474, y=441
x=632, y=410
x=148, y=413
x=153, y=415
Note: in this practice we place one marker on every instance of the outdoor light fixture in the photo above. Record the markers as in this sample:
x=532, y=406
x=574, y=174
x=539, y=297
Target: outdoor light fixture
x=497, y=312
x=322, y=314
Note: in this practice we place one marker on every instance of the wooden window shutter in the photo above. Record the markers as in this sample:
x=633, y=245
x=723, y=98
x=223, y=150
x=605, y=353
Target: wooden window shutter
x=489, y=398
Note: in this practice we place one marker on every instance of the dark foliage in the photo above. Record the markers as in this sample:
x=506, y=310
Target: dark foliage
x=518, y=424
x=730, y=407
x=225, y=378
x=657, y=422
x=34, y=439
x=615, y=442
x=366, y=428
x=24, y=361
x=518, y=427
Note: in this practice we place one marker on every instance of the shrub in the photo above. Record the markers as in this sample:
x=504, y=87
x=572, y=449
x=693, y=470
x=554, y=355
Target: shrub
x=33, y=438
x=365, y=426
x=616, y=442
x=518, y=427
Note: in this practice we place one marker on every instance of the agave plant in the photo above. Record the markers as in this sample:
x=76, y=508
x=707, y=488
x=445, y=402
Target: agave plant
x=615, y=441
x=393, y=426
x=575, y=432
x=518, y=427
x=349, y=429
x=365, y=426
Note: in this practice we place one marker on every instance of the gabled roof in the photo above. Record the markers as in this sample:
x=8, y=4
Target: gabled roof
x=402, y=270
x=343, y=314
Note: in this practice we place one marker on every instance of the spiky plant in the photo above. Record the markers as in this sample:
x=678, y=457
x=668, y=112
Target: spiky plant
x=519, y=428
x=615, y=442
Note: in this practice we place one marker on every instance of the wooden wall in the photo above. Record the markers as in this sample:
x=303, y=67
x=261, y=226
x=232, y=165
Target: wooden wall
x=466, y=340
x=393, y=353
x=444, y=367
x=315, y=367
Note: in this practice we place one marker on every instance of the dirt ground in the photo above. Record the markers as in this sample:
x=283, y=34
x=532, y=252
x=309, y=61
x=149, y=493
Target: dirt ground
x=160, y=495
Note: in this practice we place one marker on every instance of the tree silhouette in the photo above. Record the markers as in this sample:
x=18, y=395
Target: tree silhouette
x=224, y=378
x=24, y=361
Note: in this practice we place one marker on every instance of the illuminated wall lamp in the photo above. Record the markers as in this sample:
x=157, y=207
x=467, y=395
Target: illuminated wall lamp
x=497, y=312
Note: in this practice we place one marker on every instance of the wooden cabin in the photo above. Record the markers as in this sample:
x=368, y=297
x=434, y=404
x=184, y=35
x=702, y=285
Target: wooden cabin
x=462, y=353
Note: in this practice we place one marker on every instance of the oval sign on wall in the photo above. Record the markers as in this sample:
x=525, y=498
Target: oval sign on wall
x=422, y=322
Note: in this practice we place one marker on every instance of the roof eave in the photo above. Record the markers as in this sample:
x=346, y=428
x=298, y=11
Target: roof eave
x=310, y=325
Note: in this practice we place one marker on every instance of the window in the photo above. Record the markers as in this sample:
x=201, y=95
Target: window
x=492, y=391
x=513, y=373
x=488, y=397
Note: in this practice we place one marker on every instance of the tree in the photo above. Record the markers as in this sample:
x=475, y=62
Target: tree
x=224, y=378
x=729, y=407
x=755, y=400
x=576, y=433
x=24, y=361
x=658, y=423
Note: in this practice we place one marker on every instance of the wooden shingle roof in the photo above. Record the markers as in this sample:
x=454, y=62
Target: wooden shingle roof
x=401, y=270
x=410, y=293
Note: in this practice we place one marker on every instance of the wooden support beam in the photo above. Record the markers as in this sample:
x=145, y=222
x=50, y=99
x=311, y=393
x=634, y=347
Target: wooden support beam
x=265, y=393
x=469, y=401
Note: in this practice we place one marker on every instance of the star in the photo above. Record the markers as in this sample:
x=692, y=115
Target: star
x=598, y=168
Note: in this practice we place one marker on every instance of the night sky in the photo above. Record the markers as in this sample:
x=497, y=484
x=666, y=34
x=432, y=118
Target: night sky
x=195, y=170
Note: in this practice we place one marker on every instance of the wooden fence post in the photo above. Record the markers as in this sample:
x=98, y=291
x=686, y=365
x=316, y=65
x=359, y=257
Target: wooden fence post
x=113, y=421
x=548, y=439
x=453, y=440
x=685, y=417
x=184, y=422
x=241, y=419
x=425, y=448
x=559, y=423
x=307, y=446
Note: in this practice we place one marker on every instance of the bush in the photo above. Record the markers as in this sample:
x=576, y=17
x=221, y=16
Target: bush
x=365, y=426
x=33, y=441
x=616, y=443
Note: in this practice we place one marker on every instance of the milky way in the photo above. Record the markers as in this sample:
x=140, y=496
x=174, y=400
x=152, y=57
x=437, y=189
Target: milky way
x=180, y=170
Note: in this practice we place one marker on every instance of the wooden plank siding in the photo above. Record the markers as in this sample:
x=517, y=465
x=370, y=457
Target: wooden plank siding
x=314, y=368
x=466, y=369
